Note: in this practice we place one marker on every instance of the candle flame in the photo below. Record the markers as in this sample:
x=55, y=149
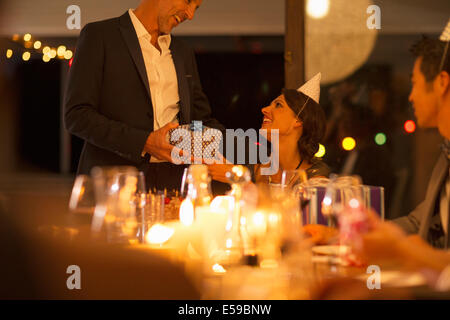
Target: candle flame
x=159, y=234
x=187, y=212
x=222, y=202
x=258, y=219
x=217, y=268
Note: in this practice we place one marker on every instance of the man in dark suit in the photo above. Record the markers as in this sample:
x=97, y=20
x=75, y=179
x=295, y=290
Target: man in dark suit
x=430, y=96
x=129, y=84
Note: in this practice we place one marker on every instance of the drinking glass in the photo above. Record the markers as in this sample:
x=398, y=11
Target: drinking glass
x=82, y=199
x=184, y=183
x=292, y=178
x=141, y=202
x=115, y=192
x=343, y=204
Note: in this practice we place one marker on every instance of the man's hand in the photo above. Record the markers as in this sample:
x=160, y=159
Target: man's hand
x=382, y=244
x=218, y=171
x=158, y=146
x=320, y=235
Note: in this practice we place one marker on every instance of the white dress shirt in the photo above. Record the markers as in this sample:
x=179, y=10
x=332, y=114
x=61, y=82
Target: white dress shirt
x=162, y=76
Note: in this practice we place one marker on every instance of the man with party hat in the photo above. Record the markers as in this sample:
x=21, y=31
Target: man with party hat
x=430, y=96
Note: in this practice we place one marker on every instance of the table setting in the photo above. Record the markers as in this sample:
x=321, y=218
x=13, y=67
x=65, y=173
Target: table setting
x=247, y=244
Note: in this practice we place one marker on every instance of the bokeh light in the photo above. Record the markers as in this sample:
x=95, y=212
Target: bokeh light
x=380, y=138
x=27, y=37
x=348, y=143
x=37, y=45
x=61, y=51
x=410, y=126
x=321, y=152
x=158, y=234
x=68, y=55
x=317, y=8
x=26, y=56
x=52, y=53
x=9, y=53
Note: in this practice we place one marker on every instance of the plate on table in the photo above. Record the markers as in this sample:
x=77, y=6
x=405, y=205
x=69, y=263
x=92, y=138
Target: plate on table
x=330, y=250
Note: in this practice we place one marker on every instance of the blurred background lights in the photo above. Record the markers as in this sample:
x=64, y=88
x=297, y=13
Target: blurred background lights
x=26, y=56
x=9, y=53
x=61, y=51
x=317, y=8
x=37, y=45
x=158, y=234
x=410, y=126
x=258, y=218
x=52, y=53
x=348, y=143
x=46, y=50
x=46, y=58
x=353, y=203
x=321, y=152
x=68, y=55
x=15, y=37
x=27, y=37
x=380, y=138
x=187, y=212
x=217, y=268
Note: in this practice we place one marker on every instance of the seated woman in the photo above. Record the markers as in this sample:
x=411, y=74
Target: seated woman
x=301, y=124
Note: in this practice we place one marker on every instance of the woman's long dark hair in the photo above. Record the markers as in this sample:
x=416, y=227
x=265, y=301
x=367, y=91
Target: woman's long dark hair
x=314, y=122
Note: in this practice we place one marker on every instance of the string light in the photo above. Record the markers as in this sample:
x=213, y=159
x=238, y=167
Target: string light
x=48, y=53
x=321, y=151
x=37, y=45
x=348, y=143
x=61, y=50
x=52, y=53
x=26, y=56
x=410, y=126
x=317, y=8
x=380, y=138
x=68, y=55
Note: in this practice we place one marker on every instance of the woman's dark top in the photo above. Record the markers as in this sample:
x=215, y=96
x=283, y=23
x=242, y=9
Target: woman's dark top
x=318, y=168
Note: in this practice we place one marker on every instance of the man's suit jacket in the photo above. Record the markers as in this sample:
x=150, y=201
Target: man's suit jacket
x=419, y=220
x=107, y=101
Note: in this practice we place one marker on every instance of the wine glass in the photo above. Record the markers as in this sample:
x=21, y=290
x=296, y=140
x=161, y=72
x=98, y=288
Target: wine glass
x=82, y=199
x=183, y=188
x=115, y=192
x=291, y=178
x=141, y=202
x=344, y=207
